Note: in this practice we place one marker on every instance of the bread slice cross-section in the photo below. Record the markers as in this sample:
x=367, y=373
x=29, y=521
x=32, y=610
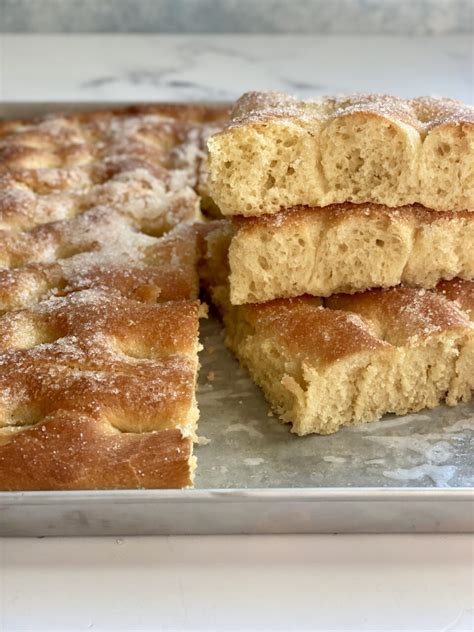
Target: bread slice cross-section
x=347, y=248
x=324, y=363
x=278, y=152
x=352, y=358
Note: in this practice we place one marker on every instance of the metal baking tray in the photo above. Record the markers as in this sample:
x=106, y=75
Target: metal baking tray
x=402, y=474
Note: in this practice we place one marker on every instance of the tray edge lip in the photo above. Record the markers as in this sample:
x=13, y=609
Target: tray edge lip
x=236, y=495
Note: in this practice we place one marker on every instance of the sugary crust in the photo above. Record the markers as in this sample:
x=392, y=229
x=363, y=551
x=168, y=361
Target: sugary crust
x=67, y=142
x=343, y=325
x=278, y=152
x=347, y=248
x=185, y=112
x=334, y=335
x=98, y=289
x=422, y=113
x=97, y=250
x=99, y=364
x=67, y=452
x=152, y=198
x=402, y=315
x=460, y=292
x=100, y=313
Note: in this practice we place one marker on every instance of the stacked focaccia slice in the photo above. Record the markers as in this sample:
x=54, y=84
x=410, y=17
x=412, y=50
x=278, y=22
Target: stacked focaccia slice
x=99, y=298
x=400, y=337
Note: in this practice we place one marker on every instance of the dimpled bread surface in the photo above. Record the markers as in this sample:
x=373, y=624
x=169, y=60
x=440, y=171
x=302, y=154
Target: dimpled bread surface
x=97, y=391
x=98, y=298
x=278, y=152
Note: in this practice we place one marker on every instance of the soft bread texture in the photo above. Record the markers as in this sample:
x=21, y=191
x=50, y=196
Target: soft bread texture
x=278, y=152
x=208, y=206
x=98, y=291
x=353, y=358
x=347, y=248
x=349, y=359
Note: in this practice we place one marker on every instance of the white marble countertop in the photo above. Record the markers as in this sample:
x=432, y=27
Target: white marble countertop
x=165, y=67
x=242, y=582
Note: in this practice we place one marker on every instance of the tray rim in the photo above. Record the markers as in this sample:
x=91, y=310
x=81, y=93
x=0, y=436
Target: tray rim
x=229, y=495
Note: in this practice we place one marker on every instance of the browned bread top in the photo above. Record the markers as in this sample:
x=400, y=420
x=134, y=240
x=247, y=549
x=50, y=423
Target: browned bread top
x=62, y=140
x=460, y=292
x=98, y=200
x=326, y=330
x=94, y=380
x=97, y=250
x=137, y=329
x=422, y=113
x=87, y=369
x=69, y=452
x=98, y=289
x=306, y=328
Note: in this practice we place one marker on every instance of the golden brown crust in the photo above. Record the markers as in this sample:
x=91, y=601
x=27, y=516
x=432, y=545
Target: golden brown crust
x=101, y=221
x=98, y=287
x=67, y=140
x=344, y=324
x=97, y=250
x=97, y=313
x=68, y=452
x=187, y=112
x=400, y=315
x=460, y=292
x=30, y=198
x=422, y=113
x=102, y=365
x=334, y=334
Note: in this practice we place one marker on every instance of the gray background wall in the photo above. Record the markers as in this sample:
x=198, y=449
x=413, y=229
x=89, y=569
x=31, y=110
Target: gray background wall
x=237, y=16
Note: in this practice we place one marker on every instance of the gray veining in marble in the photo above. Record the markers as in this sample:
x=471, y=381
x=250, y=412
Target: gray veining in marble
x=131, y=68
x=407, y=17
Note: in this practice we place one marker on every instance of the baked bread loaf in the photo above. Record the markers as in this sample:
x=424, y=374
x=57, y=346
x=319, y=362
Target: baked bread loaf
x=98, y=298
x=323, y=363
x=347, y=248
x=278, y=152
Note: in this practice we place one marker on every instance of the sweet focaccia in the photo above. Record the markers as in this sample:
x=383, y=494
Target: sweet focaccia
x=324, y=363
x=352, y=358
x=98, y=298
x=347, y=248
x=278, y=152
